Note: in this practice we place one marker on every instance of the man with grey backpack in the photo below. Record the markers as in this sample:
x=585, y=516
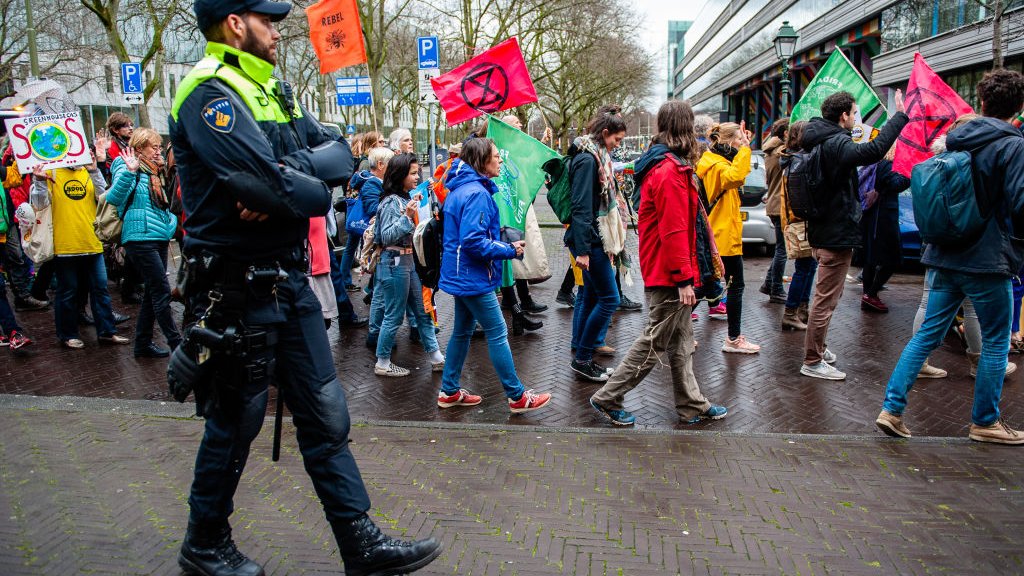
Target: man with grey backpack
x=978, y=267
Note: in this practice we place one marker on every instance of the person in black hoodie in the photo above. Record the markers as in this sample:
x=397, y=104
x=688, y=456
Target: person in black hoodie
x=979, y=270
x=837, y=232
x=882, y=251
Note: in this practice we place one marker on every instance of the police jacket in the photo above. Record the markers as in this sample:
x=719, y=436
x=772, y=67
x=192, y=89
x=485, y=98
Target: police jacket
x=238, y=140
x=839, y=227
x=997, y=159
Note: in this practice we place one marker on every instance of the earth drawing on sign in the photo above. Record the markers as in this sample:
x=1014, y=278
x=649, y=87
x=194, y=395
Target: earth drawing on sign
x=485, y=87
x=48, y=141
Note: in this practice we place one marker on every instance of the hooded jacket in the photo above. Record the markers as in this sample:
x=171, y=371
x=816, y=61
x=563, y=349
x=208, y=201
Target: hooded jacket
x=723, y=179
x=839, y=227
x=471, y=262
x=997, y=160
x=773, y=149
x=666, y=218
x=369, y=188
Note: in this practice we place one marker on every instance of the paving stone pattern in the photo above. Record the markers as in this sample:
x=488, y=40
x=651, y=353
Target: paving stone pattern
x=101, y=493
x=764, y=392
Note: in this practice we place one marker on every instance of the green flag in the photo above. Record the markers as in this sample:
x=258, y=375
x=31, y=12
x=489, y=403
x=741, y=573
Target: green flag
x=521, y=175
x=839, y=74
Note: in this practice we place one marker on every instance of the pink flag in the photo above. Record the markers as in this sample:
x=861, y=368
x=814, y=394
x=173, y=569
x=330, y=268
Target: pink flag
x=493, y=81
x=932, y=107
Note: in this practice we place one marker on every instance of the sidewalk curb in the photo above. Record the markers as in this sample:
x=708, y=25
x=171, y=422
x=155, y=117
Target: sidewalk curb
x=186, y=411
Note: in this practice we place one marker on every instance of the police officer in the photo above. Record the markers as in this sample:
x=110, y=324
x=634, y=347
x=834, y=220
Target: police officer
x=253, y=167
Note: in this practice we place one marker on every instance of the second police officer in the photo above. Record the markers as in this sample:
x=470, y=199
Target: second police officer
x=253, y=168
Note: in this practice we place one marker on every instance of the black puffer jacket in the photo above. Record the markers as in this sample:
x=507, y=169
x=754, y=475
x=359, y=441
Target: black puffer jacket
x=839, y=228
x=997, y=157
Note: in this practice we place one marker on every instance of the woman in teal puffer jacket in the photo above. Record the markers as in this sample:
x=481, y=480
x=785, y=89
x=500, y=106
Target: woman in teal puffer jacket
x=138, y=193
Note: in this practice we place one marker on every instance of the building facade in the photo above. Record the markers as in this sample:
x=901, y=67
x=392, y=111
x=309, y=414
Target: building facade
x=676, y=47
x=731, y=70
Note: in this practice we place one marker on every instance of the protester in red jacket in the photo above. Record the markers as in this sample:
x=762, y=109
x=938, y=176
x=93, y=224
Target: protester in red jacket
x=668, y=261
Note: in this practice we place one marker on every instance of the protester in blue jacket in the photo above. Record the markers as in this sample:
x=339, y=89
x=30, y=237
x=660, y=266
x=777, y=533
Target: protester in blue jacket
x=138, y=192
x=471, y=272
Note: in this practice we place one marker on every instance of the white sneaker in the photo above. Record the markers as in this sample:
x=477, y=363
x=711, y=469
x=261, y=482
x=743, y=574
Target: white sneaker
x=392, y=371
x=829, y=356
x=823, y=371
x=740, y=346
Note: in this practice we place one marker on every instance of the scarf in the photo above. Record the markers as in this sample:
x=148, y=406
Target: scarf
x=725, y=151
x=156, y=184
x=609, y=222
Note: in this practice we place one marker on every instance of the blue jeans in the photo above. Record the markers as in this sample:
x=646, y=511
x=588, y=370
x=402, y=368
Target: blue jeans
x=802, y=284
x=468, y=311
x=150, y=259
x=600, y=298
x=773, y=279
x=309, y=382
x=65, y=312
x=8, y=323
x=992, y=298
x=400, y=289
x=341, y=275
x=346, y=259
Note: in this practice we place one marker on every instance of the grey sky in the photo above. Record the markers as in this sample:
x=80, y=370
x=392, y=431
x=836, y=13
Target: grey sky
x=654, y=35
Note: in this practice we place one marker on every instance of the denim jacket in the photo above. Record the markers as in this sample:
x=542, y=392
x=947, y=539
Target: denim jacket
x=393, y=227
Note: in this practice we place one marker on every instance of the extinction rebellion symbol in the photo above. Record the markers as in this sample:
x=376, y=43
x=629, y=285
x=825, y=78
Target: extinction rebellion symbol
x=485, y=87
x=924, y=127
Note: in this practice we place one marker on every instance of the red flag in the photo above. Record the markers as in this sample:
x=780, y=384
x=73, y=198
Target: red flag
x=932, y=107
x=336, y=34
x=495, y=80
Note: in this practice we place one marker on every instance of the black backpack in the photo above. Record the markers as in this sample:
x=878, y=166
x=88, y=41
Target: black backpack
x=428, y=247
x=804, y=182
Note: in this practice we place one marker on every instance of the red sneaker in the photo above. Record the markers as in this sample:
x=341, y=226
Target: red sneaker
x=4, y=341
x=460, y=398
x=529, y=401
x=872, y=304
x=18, y=340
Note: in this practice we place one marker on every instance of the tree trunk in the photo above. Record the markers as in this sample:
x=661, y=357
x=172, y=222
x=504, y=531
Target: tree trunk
x=997, y=33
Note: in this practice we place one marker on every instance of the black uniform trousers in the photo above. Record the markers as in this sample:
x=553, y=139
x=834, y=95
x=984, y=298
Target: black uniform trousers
x=306, y=376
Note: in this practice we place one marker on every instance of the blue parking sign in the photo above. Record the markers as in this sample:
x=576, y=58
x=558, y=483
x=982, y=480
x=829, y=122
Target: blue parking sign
x=131, y=78
x=426, y=52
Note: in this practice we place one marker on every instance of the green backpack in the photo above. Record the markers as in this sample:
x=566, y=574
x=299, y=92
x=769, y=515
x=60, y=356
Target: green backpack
x=556, y=178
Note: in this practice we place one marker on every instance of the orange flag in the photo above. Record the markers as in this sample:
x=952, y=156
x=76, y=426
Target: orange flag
x=336, y=34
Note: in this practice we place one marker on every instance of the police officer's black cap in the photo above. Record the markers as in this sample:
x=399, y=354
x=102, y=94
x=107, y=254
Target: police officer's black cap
x=210, y=12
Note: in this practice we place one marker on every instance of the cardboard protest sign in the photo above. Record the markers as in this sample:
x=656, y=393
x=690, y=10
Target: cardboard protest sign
x=52, y=140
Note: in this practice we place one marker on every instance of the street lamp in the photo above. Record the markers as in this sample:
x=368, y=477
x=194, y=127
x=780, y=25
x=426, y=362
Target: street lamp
x=785, y=47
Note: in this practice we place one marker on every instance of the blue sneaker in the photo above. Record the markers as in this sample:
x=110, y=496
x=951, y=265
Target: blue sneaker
x=713, y=413
x=618, y=417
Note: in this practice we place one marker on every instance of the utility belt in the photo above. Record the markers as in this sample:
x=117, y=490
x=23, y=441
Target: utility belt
x=234, y=279
x=397, y=250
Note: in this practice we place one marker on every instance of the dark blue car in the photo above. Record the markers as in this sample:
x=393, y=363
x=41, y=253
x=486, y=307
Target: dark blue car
x=910, y=238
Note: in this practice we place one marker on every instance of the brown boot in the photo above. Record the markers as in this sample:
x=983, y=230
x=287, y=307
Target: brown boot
x=791, y=320
x=973, y=358
x=802, y=312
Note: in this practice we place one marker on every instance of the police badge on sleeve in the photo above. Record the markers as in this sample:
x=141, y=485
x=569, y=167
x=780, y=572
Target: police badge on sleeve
x=219, y=115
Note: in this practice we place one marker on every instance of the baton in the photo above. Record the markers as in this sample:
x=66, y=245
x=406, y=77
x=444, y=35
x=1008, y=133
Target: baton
x=278, y=415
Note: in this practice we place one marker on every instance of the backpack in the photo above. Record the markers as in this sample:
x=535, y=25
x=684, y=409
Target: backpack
x=356, y=221
x=709, y=263
x=369, y=257
x=945, y=204
x=804, y=181
x=556, y=178
x=109, y=222
x=428, y=247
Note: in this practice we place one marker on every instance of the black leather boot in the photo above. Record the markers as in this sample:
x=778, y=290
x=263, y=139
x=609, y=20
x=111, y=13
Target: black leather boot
x=368, y=552
x=521, y=322
x=210, y=551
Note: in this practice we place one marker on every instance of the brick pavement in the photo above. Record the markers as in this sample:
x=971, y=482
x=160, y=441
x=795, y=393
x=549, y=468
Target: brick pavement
x=764, y=393
x=101, y=492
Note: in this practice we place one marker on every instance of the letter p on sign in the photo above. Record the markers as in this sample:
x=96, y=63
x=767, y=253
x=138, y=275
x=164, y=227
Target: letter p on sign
x=427, y=52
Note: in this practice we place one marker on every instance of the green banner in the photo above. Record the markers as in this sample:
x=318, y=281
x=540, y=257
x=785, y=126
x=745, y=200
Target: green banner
x=839, y=74
x=521, y=175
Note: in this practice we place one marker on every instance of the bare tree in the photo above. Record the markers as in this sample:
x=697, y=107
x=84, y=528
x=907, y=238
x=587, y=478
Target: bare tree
x=137, y=29
x=379, y=19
